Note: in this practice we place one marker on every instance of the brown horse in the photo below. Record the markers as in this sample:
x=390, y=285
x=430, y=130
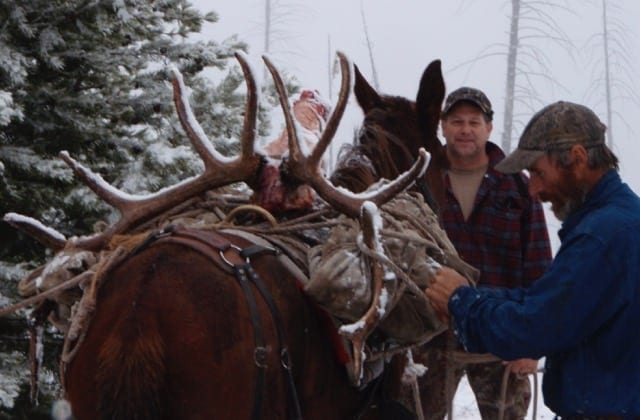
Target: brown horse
x=174, y=336
x=206, y=324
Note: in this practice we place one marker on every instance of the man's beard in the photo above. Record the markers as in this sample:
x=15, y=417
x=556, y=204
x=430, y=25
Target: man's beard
x=570, y=206
x=573, y=196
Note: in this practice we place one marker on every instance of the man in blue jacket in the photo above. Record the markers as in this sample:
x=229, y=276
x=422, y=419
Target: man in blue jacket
x=583, y=313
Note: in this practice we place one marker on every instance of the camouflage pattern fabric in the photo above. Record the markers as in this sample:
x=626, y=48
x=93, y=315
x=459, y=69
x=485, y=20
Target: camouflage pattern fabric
x=338, y=272
x=469, y=94
x=485, y=380
x=558, y=126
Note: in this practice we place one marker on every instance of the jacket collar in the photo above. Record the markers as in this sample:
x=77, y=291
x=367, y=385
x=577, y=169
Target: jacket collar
x=598, y=195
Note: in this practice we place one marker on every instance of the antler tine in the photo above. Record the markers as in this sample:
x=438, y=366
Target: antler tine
x=336, y=115
x=334, y=120
x=48, y=237
x=294, y=142
x=103, y=189
x=390, y=190
x=370, y=222
x=193, y=129
x=219, y=170
x=251, y=109
x=195, y=133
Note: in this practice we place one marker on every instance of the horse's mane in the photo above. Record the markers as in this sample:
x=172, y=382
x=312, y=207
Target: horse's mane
x=354, y=169
x=377, y=152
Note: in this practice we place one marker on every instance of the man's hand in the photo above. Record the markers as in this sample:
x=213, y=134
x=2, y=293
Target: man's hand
x=445, y=282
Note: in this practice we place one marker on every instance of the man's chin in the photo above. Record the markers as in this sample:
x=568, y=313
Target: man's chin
x=566, y=209
x=466, y=150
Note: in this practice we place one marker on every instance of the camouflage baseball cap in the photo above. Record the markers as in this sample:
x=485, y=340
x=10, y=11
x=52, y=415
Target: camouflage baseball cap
x=468, y=94
x=555, y=127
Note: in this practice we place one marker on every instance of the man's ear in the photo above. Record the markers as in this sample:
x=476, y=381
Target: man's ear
x=579, y=154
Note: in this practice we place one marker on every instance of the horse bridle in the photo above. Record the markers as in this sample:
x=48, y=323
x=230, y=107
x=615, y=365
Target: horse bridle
x=237, y=261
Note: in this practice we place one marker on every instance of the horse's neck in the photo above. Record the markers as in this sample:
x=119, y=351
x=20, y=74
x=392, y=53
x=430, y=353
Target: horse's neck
x=435, y=175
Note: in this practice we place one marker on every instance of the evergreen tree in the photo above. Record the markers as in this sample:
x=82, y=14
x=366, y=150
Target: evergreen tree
x=90, y=77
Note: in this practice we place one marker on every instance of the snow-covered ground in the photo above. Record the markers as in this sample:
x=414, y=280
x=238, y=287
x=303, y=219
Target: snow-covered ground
x=465, y=408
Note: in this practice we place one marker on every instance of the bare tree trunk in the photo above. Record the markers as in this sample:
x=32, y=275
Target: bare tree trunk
x=512, y=59
x=374, y=73
x=607, y=73
x=330, y=71
x=267, y=38
x=330, y=61
x=267, y=26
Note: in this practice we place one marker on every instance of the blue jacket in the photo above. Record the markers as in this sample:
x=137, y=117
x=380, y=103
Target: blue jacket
x=583, y=314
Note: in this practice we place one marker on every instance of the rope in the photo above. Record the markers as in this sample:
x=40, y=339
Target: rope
x=43, y=295
x=460, y=357
x=503, y=393
x=250, y=208
x=404, y=277
x=281, y=228
x=82, y=315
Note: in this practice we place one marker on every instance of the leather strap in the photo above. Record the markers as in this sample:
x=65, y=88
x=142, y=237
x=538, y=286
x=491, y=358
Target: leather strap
x=233, y=259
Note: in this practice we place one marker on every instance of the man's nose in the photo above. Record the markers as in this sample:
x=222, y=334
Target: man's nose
x=466, y=127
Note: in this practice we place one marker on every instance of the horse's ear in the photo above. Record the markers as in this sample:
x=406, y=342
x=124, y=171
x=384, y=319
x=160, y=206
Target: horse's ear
x=367, y=96
x=430, y=96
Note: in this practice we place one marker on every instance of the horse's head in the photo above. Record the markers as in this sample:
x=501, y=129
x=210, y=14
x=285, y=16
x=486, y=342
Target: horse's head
x=393, y=131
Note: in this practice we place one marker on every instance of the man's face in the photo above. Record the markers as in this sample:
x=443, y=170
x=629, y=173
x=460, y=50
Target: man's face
x=557, y=185
x=466, y=131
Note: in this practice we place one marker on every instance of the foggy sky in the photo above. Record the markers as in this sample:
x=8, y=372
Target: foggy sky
x=406, y=35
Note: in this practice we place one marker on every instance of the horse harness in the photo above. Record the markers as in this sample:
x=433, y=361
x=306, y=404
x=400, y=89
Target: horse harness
x=237, y=261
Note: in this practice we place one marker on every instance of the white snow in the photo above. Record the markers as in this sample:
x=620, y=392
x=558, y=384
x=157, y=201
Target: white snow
x=27, y=160
x=14, y=362
x=382, y=302
x=352, y=328
x=8, y=110
x=412, y=369
x=465, y=408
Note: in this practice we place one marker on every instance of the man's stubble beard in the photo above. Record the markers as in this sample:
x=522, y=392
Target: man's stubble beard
x=575, y=193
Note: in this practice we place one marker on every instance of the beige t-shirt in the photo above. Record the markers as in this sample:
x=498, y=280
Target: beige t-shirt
x=465, y=184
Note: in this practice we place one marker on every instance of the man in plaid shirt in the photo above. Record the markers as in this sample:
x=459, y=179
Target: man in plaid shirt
x=497, y=227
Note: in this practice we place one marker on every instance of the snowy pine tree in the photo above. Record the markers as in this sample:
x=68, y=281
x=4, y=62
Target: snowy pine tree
x=91, y=77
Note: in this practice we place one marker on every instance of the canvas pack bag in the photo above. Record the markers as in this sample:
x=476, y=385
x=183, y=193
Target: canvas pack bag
x=414, y=247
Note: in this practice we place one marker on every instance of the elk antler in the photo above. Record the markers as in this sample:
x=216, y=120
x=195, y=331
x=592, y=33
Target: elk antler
x=307, y=168
x=358, y=331
x=219, y=170
x=362, y=206
x=47, y=236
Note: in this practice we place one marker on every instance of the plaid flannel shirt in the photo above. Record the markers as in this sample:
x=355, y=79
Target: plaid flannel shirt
x=506, y=235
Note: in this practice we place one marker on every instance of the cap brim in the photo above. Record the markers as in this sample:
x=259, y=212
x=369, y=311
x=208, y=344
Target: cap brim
x=518, y=160
x=473, y=101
